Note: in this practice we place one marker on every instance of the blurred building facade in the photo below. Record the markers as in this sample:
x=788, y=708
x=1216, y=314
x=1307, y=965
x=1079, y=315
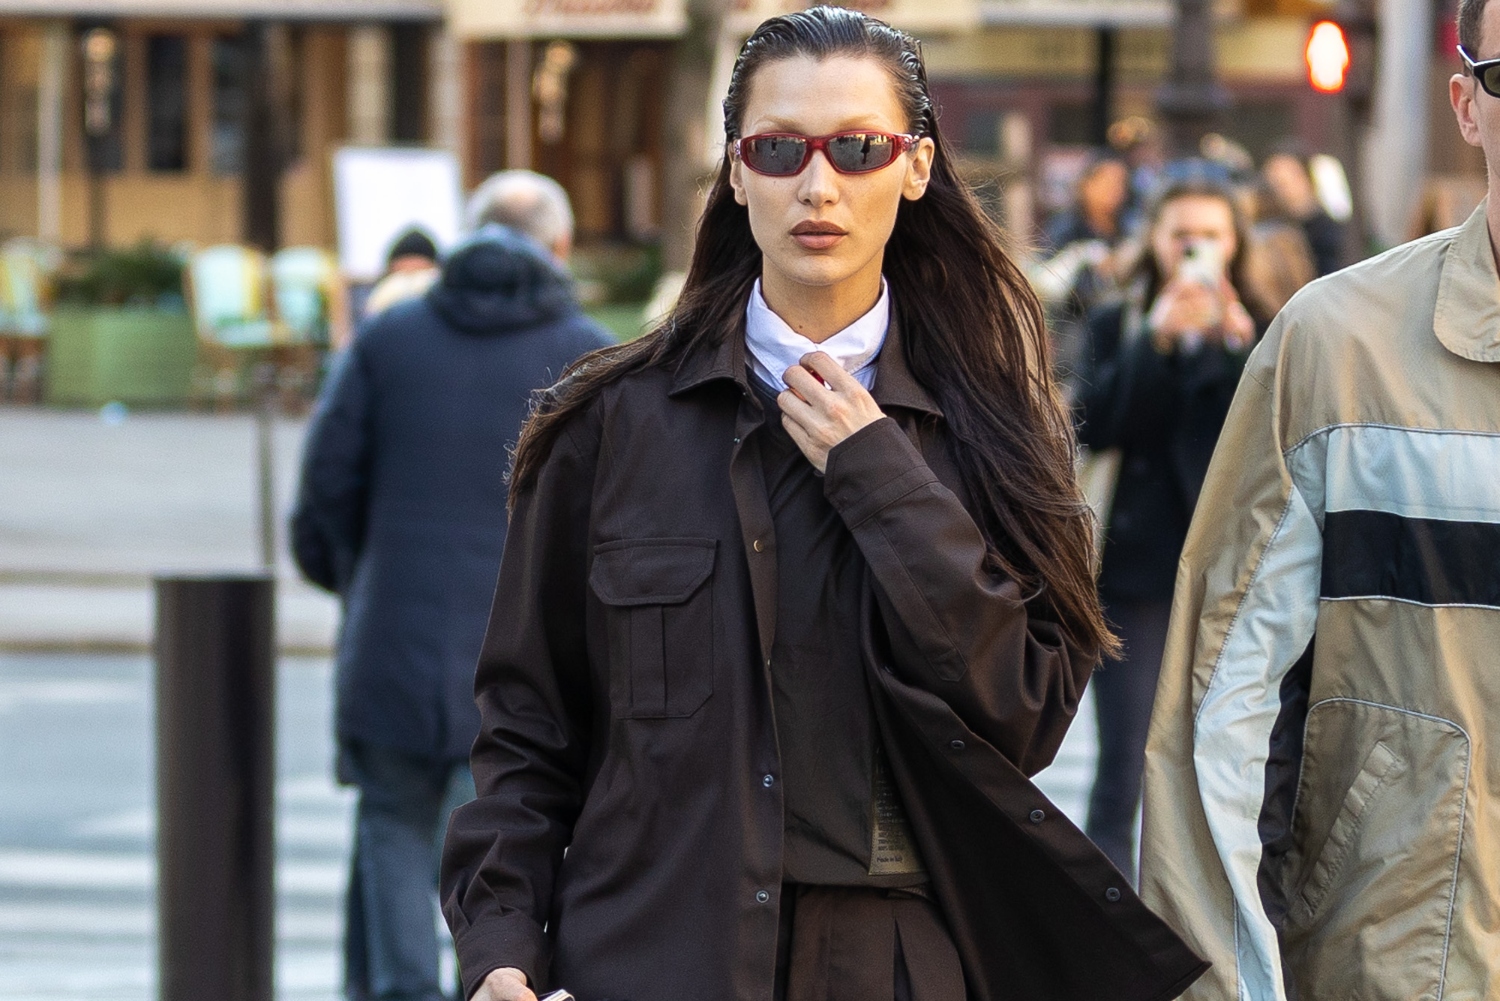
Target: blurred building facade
x=172, y=161
x=577, y=89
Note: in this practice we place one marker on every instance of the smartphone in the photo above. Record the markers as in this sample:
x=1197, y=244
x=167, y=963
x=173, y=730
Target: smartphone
x=557, y=996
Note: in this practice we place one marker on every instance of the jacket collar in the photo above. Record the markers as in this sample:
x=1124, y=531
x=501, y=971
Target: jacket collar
x=1467, y=318
x=895, y=386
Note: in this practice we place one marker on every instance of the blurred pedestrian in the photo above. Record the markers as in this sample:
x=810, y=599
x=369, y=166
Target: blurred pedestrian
x=411, y=267
x=1288, y=177
x=1321, y=797
x=401, y=512
x=1080, y=271
x=1161, y=369
x=799, y=593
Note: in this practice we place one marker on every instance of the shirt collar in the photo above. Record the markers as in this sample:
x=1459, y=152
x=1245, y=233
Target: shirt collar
x=724, y=360
x=1467, y=318
x=775, y=347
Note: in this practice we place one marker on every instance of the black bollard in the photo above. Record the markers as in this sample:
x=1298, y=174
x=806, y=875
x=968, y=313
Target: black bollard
x=215, y=787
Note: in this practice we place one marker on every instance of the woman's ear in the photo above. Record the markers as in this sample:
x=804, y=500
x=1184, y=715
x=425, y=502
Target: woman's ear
x=737, y=181
x=919, y=169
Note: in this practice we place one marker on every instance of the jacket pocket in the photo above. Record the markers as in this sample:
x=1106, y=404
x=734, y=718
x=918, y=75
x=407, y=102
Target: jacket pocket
x=660, y=619
x=1378, y=835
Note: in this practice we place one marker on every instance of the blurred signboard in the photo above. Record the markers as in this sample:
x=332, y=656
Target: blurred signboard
x=920, y=17
x=380, y=193
x=478, y=19
x=1078, y=13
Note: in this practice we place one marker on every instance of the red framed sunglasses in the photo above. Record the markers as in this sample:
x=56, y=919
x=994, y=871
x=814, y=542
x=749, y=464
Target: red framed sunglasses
x=782, y=154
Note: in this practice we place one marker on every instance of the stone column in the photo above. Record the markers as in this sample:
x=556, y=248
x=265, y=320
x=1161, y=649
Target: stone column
x=1395, y=154
x=370, y=85
x=49, y=146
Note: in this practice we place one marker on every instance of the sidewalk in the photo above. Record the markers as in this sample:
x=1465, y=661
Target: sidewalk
x=91, y=511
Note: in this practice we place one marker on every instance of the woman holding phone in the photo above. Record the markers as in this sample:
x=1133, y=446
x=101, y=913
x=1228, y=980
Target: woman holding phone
x=1161, y=370
x=798, y=593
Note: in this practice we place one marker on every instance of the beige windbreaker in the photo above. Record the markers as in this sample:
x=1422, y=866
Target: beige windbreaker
x=1322, y=815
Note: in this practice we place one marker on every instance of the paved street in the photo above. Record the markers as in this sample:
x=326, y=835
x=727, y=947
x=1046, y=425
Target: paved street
x=88, y=511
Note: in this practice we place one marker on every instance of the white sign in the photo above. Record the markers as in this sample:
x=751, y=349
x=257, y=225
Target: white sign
x=381, y=193
x=474, y=19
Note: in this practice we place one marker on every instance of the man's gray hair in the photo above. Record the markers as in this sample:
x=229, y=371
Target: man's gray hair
x=528, y=202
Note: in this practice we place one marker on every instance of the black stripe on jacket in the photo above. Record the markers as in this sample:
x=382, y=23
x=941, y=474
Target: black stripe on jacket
x=1372, y=554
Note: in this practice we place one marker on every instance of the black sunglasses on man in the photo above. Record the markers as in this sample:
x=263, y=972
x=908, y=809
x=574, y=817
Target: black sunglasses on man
x=1486, y=72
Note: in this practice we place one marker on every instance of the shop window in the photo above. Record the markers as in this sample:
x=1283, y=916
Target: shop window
x=231, y=59
x=166, y=102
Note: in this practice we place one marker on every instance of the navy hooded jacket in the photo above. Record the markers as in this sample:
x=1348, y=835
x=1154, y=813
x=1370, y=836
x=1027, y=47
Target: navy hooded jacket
x=401, y=508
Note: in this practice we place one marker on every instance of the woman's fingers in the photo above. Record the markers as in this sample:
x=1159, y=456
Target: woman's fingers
x=830, y=372
x=504, y=984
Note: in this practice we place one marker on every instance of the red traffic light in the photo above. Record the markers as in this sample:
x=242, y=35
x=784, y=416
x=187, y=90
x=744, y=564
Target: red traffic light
x=1327, y=57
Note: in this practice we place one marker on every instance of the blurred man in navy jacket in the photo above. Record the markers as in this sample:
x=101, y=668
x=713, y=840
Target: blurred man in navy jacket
x=401, y=512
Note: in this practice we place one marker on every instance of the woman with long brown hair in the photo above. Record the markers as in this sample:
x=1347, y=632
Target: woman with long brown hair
x=798, y=592
x=1160, y=370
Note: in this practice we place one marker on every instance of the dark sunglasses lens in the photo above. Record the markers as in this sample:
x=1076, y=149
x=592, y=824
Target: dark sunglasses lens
x=1489, y=79
x=861, y=151
x=774, y=154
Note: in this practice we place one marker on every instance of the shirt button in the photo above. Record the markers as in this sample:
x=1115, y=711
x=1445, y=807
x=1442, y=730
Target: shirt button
x=956, y=745
x=1037, y=816
x=768, y=781
x=1112, y=894
x=758, y=546
x=761, y=896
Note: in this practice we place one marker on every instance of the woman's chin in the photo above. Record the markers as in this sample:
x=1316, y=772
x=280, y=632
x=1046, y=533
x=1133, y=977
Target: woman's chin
x=814, y=270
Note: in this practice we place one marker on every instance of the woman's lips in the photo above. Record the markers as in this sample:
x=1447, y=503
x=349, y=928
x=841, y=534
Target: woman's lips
x=817, y=236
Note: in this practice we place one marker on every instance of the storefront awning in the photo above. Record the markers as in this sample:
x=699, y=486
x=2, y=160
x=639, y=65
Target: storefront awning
x=478, y=19
x=920, y=17
x=1077, y=13
x=235, y=10
x=495, y=19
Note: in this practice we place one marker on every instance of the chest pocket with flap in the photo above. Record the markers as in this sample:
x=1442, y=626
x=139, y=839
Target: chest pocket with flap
x=660, y=621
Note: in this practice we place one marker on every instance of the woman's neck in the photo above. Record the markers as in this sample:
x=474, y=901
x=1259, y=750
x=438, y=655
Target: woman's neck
x=817, y=312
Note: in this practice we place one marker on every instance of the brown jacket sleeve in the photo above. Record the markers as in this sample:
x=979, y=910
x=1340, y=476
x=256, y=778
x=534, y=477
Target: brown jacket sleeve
x=504, y=849
x=956, y=629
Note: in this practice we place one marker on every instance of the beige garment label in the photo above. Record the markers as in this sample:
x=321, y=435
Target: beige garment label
x=893, y=852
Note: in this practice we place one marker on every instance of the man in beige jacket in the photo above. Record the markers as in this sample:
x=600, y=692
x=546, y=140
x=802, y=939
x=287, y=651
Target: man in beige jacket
x=1322, y=813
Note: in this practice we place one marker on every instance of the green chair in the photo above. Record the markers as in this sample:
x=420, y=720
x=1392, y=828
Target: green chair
x=26, y=270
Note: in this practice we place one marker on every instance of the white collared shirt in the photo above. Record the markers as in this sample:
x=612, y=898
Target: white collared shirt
x=774, y=347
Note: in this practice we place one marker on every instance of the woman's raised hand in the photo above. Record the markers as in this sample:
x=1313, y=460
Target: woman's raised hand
x=823, y=405
x=504, y=984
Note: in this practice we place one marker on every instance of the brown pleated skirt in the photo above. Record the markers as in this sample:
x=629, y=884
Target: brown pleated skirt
x=864, y=944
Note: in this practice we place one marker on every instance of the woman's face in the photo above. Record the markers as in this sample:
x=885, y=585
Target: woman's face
x=821, y=228
x=1188, y=221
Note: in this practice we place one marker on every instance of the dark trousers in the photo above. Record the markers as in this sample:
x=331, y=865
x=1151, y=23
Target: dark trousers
x=1124, y=691
x=839, y=943
x=390, y=922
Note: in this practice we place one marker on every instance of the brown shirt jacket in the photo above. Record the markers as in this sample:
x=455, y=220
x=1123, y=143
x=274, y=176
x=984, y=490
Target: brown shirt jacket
x=627, y=716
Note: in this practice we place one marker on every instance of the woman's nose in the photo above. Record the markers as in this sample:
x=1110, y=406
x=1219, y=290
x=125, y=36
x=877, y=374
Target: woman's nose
x=819, y=181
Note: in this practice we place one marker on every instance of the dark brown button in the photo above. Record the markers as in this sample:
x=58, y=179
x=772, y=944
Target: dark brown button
x=957, y=745
x=758, y=546
x=1037, y=816
x=1112, y=894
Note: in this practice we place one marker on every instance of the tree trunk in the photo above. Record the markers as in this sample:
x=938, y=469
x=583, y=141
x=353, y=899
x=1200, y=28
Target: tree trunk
x=685, y=176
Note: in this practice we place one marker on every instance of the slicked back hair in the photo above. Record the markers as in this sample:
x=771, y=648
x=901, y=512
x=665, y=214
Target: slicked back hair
x=1471, y=25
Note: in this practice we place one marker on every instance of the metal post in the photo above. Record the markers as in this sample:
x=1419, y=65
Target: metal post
x=265, y=428
x=1193, y=100
x=1104, y=85
x=215, y=774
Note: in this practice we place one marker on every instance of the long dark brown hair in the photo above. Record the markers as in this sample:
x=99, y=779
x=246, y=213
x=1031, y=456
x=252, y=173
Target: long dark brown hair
x=971, y=327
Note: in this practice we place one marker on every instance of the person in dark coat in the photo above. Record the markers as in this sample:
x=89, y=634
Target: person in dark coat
x=1161, y=369
x=797, y=597
x=401, y=512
